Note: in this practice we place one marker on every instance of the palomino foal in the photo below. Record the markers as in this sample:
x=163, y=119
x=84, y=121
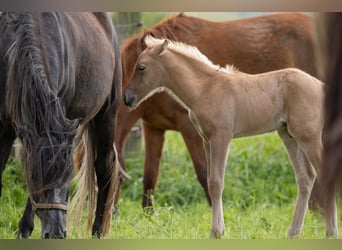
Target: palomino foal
x=238, y=104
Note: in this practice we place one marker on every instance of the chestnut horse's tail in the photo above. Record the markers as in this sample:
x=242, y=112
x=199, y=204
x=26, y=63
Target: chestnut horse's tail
x=86, y=182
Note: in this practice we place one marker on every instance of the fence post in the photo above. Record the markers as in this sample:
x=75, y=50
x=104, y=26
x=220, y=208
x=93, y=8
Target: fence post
x=127, y=24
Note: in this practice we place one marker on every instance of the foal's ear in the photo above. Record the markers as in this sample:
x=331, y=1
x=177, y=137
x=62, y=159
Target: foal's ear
x=163, y=47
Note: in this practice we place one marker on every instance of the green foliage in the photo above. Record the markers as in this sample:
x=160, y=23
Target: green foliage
x=258, y=198
x=152, y=18
x=13, y=199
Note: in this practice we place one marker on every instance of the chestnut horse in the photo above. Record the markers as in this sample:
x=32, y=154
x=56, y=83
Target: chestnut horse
x=224, y=104
x=254, y=45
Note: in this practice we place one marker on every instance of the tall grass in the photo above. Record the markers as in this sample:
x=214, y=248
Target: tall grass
x=258, y=198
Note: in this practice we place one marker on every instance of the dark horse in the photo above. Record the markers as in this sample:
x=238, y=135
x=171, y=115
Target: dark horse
x=329, y=27
x=253, y=45
x=59, y=72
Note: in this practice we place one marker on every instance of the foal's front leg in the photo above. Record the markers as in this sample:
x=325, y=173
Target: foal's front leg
x=217, y=151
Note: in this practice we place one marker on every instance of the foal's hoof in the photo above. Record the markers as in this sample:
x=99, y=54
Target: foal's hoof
x=331, y=234
x=294, y=233
x=216, y=235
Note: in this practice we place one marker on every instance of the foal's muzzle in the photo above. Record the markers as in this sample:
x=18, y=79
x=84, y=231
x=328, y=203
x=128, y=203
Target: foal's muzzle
x=130, y=99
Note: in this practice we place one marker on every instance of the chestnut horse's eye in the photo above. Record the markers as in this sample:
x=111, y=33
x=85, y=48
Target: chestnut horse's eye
x=141, y=67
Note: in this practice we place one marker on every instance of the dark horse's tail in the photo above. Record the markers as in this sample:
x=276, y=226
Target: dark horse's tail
x=86, y=152
x=34, y=106
x=330, y=40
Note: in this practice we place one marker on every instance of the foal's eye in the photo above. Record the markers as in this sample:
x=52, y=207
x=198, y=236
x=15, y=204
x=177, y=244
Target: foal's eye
x=141, y=67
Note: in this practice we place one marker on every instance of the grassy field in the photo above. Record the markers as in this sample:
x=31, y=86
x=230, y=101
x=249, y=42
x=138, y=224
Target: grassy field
x=258, y=199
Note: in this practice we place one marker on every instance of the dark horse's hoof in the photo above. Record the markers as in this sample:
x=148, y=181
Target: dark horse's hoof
x=24, y=234
x=97, y=235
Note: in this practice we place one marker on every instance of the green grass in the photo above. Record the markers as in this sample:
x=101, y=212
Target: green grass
x=259, y=197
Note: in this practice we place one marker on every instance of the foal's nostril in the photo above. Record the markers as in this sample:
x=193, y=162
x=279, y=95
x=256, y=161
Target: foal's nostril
x=129, y=100
x=125, y=99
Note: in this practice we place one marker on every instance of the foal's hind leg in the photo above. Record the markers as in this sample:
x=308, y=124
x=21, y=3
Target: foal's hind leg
x=305, y=177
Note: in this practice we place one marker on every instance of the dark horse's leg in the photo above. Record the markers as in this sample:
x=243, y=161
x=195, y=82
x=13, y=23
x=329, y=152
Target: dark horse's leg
x=26, y=223
x=104, y=127
x=7, y=137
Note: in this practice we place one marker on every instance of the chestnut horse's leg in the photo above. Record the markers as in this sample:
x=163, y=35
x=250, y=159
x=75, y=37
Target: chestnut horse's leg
x=194, y=144
x=305, y=177
x=126, y=121
x=26, y=223
x=154, y=140
x=216, y=153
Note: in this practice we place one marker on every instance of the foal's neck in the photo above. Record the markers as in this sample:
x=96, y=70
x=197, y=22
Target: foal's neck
x=189, y=79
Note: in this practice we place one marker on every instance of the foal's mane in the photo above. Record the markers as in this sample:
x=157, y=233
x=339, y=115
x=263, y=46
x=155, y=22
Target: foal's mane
x=189, y=51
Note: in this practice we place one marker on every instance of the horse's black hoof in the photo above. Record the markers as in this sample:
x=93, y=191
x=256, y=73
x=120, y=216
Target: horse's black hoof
x=97, y=235
x=24, y=234
x=149, y=210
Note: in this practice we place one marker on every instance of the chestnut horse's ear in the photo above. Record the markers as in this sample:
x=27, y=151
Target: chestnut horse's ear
x=163, y=47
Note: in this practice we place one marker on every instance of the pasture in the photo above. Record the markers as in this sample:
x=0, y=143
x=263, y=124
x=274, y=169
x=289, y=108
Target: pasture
x=259, y=197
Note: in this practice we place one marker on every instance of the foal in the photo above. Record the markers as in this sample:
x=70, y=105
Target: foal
x=238, y=104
